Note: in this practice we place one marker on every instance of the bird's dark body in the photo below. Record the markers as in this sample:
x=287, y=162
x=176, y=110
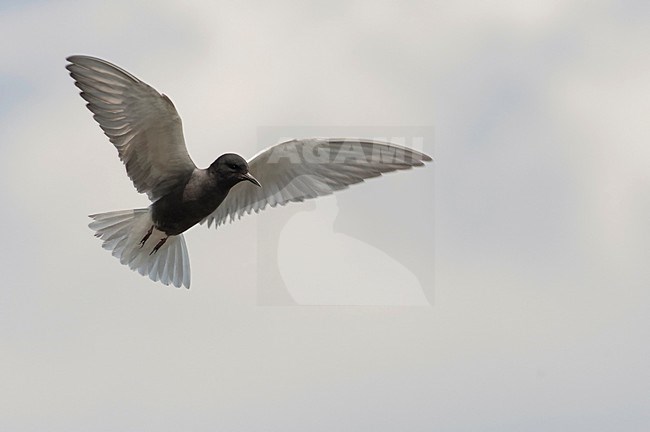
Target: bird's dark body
x=174, y=213
x=197, y=196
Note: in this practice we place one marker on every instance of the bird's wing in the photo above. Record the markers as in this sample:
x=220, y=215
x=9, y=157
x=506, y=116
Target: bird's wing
x=302, y=169
x=142, y=124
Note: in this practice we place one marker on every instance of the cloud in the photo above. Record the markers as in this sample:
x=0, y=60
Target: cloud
x=540, y=307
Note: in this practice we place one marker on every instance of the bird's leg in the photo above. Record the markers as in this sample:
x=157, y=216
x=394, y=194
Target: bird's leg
x=159, y=245
x=146, y=237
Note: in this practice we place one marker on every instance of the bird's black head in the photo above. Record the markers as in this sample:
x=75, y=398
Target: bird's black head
x=231, y=169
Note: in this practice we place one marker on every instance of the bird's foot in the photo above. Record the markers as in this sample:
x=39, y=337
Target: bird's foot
x=146, y=237
x=159, y=245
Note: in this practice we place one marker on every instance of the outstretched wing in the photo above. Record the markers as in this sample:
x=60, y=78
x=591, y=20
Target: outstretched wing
x=142, y=124
x=302, y=169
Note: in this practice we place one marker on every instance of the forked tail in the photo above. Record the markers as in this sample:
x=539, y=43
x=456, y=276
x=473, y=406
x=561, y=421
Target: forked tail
x=130, y=236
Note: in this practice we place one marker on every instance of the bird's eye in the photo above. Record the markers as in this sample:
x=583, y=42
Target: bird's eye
x=232, y=166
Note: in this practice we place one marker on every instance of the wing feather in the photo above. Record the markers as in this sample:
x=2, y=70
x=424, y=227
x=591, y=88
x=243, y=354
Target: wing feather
x=303, y=169
x=141, y=123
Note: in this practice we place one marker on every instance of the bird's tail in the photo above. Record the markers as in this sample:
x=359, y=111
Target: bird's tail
x=131, y=237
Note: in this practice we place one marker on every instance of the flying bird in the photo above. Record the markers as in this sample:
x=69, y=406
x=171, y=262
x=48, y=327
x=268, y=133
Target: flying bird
x=146, y=130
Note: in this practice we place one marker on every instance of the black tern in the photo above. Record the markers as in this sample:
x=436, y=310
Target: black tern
x=146, y=129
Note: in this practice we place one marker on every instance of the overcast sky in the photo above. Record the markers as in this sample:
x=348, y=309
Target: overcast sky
x=520, y=253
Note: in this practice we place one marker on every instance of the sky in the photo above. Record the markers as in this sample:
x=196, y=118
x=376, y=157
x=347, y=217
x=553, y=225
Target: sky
x=503, y=287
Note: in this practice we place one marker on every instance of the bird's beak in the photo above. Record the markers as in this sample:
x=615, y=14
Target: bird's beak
x=251, y=179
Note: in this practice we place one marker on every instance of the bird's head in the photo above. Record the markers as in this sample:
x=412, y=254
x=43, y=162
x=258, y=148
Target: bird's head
x=232, y=169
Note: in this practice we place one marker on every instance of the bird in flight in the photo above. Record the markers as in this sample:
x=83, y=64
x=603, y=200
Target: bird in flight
x=146, y=129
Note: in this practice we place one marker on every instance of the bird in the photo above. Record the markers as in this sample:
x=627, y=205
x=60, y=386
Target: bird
x=146, y=129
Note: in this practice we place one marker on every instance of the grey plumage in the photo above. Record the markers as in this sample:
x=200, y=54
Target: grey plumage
x=147, y=132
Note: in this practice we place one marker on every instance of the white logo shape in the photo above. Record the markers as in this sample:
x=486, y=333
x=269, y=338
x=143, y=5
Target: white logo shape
x=336, y=269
